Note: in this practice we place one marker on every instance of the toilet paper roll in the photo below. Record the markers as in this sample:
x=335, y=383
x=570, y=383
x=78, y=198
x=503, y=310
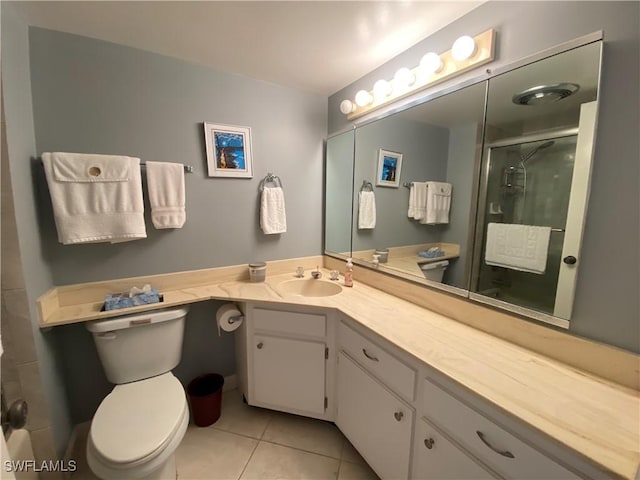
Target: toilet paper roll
x=228, y=318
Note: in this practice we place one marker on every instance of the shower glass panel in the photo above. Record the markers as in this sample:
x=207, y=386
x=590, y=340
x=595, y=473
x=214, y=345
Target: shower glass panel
x=529, y=183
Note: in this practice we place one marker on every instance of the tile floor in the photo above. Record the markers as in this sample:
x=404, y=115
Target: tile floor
x=254, y=443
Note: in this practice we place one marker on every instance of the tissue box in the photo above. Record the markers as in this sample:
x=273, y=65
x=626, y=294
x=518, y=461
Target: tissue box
x=124, y=300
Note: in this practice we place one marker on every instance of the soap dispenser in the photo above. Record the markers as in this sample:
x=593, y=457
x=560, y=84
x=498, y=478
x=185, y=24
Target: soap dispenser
x=348, y=274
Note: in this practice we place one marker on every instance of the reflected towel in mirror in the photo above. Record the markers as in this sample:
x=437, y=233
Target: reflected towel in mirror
x=366, y=210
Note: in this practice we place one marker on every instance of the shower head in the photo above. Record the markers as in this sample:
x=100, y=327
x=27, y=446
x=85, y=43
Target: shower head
x=526, y=156
x=545, y=94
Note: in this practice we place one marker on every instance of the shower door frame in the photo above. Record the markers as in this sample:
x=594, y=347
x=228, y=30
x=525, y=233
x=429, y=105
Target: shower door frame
x=478, y=244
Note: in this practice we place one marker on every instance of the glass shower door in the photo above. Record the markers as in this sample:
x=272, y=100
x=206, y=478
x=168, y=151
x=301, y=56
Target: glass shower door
x=536, y=181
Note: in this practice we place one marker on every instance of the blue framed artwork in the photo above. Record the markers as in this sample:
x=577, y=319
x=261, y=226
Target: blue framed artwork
x=228, y=150
x=389, y=168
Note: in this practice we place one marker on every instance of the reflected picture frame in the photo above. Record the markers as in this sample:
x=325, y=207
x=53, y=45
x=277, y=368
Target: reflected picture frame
x=229, y=152
x=389, y=168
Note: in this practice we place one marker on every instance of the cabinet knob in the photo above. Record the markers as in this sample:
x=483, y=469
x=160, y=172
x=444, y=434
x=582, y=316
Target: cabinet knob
x=570, y=260
x=428, y=442
x=260, y=345
x=398, y=416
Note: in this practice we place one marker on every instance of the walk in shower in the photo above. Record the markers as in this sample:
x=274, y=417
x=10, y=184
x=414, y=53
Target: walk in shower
x=528, y=183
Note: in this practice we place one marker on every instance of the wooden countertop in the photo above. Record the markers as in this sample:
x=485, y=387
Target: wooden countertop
x=595, y=417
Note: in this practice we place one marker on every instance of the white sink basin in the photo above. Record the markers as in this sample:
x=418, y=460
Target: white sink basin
x=309, y=288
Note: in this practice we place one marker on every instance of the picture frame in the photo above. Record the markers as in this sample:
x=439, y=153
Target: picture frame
x=389, y=168
x=229, y=152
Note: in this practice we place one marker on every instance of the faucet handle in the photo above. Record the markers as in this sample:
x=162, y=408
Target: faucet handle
x=316, y=273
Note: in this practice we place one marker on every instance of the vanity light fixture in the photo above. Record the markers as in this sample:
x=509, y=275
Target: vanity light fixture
x=463, y=48
x=467, y=53
x=347, y=107
x=381, y=89
x=403, y=79
x=431, y=63
x=363, y=98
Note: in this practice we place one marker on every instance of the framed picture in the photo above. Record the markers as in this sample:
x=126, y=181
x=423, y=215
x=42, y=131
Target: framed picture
x=389, y=167
x=228, y=150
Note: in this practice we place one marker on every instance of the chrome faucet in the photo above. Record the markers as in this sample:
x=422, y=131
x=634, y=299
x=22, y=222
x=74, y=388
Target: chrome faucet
x=316, y=273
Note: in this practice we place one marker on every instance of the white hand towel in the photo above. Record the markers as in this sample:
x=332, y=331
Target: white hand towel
x=419, y=194
x=165, y=183
x=366, y=210
x=95, y=198
x=438, y=203
x=273, y=217
x=519, y=247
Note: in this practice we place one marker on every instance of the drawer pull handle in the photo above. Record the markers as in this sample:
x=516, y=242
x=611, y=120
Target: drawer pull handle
x=399, y=416
x=428, y=442
x=369, y=356
x=260, y=345
x=504, y=453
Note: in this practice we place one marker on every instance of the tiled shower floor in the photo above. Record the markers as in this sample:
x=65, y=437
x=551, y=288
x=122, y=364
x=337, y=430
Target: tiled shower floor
x=253, y=443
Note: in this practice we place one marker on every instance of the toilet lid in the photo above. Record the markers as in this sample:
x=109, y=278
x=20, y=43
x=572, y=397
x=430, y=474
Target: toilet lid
x=138, y=418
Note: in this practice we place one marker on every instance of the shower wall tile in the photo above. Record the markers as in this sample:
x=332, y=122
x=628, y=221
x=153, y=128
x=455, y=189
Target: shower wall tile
x=19, y=325
x=34, y=395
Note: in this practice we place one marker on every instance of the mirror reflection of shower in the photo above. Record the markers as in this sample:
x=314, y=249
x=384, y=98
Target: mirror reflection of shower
x=529, y=183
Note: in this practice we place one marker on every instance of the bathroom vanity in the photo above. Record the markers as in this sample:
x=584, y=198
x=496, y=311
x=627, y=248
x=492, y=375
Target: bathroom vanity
x=416, y=392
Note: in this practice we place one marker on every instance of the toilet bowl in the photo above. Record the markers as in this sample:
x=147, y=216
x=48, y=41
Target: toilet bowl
x=138, y=427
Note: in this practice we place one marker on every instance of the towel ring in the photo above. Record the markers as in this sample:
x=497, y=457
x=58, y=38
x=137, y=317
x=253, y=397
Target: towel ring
x=366, y=186
x=272, y=179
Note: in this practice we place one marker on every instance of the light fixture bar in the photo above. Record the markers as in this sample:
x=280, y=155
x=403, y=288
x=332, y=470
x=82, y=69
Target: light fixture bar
x=483, y=53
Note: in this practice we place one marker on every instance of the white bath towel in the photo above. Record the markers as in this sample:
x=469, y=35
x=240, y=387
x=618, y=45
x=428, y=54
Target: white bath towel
x=438, y=203
x=165, y=183
x=418, y=200
x=273, y=217
x=519, y=247
x=366, y=210
x=95, y=198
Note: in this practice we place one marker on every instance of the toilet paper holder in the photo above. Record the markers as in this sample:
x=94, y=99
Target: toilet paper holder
x=237, y=318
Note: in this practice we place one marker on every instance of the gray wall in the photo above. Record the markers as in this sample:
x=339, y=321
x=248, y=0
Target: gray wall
x=21, y=151
x=606, y=304
x=94, y=96
x=424, y=149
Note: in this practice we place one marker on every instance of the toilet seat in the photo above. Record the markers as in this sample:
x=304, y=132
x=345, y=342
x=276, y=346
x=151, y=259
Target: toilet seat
x=137, y=421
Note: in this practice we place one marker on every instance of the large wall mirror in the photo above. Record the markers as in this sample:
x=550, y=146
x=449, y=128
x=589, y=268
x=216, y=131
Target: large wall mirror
x=440, y=143
x=512, y=177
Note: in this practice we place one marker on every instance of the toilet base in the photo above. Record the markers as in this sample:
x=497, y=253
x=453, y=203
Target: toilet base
x=168, y=471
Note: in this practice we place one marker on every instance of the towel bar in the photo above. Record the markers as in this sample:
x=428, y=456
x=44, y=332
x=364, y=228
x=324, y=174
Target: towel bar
x=366, y=186
x=270, y=178
x=187, y=168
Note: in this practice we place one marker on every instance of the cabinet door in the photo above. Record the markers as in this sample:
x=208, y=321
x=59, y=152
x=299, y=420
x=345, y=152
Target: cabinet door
x=376, y=421
x=289, y=374
x=436, y=457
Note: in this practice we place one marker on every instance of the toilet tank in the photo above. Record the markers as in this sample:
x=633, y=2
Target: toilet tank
x=144, y=345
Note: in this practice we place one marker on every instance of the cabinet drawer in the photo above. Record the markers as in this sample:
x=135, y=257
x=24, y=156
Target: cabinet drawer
x=393, y=373
x=497, y=448
x=290, y=322
x=437, y=457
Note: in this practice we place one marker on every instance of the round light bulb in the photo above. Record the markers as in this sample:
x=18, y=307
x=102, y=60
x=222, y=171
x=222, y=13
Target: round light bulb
x=363, y=98
x=381, y=89
x=463, y=48
x=431, y=63
x=403, y=78
x=347, y=106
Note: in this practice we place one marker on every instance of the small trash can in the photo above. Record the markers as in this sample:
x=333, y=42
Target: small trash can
x=205, y=397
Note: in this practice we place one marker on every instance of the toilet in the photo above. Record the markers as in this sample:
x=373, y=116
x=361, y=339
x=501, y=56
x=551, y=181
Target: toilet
x=434, y=271
x=139, y=425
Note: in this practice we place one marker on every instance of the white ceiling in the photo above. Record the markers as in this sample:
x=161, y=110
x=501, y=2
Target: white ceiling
x=313, y=46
